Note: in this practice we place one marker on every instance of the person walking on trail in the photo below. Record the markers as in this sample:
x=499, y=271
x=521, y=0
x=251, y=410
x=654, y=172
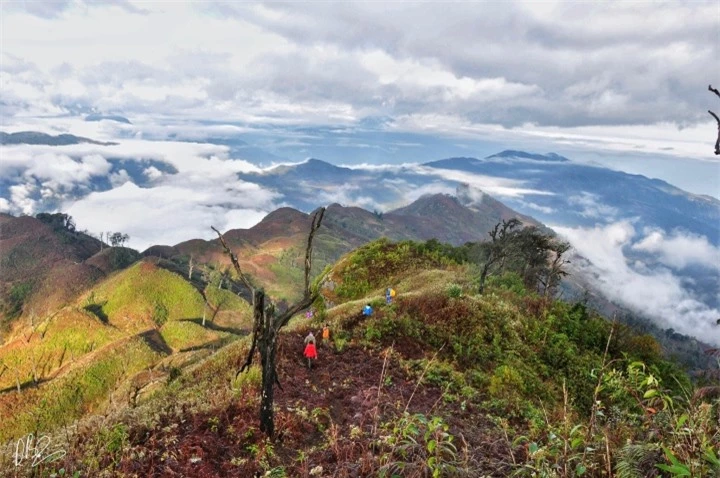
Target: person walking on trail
x=310, y=349
x=389, y=295
x=326, y=334
x=367, y=310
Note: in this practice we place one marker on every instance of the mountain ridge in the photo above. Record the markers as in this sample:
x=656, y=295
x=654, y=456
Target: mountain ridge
x=37, y=138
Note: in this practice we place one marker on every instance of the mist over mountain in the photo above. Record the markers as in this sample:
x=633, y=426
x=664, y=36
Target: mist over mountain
x=638, y=235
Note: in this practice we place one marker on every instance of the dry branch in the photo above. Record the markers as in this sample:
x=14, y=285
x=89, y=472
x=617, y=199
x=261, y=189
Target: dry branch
x=717, y=142
x=714, y=90
x=235, y=262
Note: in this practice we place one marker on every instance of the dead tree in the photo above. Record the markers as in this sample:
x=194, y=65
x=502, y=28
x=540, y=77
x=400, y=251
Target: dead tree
x=267, y=325
x=717, y=142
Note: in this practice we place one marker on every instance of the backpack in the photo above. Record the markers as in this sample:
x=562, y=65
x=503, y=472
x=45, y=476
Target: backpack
x=392, y=292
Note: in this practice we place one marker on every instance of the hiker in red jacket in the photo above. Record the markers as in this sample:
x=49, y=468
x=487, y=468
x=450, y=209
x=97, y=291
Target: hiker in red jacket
x=310, y=349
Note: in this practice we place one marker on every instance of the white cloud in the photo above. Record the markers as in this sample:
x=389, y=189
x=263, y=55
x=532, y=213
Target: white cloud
x=432, y=188
x=680, y=249
x=590, y=206
x=495, y=186
x=654, y=292
x=153, y=173
x=59, y=171
x=203, y=189
x=537, y=207
x=170, y=214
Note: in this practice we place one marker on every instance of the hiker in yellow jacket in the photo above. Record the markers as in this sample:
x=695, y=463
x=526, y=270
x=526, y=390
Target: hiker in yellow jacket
x=389, y=295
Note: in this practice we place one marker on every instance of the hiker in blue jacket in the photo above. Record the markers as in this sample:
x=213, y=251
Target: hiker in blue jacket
x=367, y=310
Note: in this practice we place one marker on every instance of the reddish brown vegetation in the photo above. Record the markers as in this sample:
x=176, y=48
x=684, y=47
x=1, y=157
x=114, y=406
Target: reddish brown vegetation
x=316, y=412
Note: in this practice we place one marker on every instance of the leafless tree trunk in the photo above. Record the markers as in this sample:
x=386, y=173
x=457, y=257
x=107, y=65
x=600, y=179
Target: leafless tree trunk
x=190, y=267
x=222, y=278
x=267, y=325
x=717, y=142
x=33, y=363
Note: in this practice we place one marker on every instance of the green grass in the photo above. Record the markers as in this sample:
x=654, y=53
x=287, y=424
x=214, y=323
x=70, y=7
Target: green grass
x=226, y=300
x=68, y=335
x=379, y=263
x=289, y=282
x=180, y=335
x=138, y=292
x=80, y=391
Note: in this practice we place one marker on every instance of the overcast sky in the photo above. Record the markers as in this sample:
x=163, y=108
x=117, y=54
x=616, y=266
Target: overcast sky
x=619, y=76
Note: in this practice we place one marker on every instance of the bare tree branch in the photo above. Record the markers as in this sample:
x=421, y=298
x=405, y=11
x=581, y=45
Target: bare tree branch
x=308, y=298
x=235, y=262
x=714, y=90
x=717, y=141
x=258, y=316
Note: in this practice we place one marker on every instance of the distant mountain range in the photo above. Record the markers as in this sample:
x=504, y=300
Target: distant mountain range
x=549, y=187
x=34, y=255
x=557, y=192
x=34, y=137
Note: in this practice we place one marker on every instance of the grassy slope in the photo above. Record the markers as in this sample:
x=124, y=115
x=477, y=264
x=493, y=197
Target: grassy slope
x=104, y=339
x=505, y=374
x=145, y=294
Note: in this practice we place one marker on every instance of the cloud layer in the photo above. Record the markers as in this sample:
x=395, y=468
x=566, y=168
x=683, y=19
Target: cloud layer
x=154, y=191
x=652, y=290
x=516, y=69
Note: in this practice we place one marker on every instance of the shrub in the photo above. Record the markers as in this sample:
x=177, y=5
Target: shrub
x=160, y=314
x=454, y=291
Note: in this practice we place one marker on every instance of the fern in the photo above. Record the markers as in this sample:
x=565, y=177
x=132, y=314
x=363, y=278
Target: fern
x=637, y=460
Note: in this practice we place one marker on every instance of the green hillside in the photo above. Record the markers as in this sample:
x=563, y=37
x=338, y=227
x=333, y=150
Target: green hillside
x=117, y=339
x=442, y=382
x=145, y=293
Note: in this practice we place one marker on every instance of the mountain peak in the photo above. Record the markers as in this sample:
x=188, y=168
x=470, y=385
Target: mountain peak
x=432, y=204
x=314, y=164
x=284, y=214
x=455, y=162
x=510, y=153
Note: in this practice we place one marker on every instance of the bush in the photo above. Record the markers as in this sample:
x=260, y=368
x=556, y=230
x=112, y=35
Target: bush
x=160, y=314
x=454, y=291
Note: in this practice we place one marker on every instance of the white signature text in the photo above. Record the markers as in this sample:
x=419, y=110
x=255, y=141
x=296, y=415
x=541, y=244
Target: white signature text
x=36, y=450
